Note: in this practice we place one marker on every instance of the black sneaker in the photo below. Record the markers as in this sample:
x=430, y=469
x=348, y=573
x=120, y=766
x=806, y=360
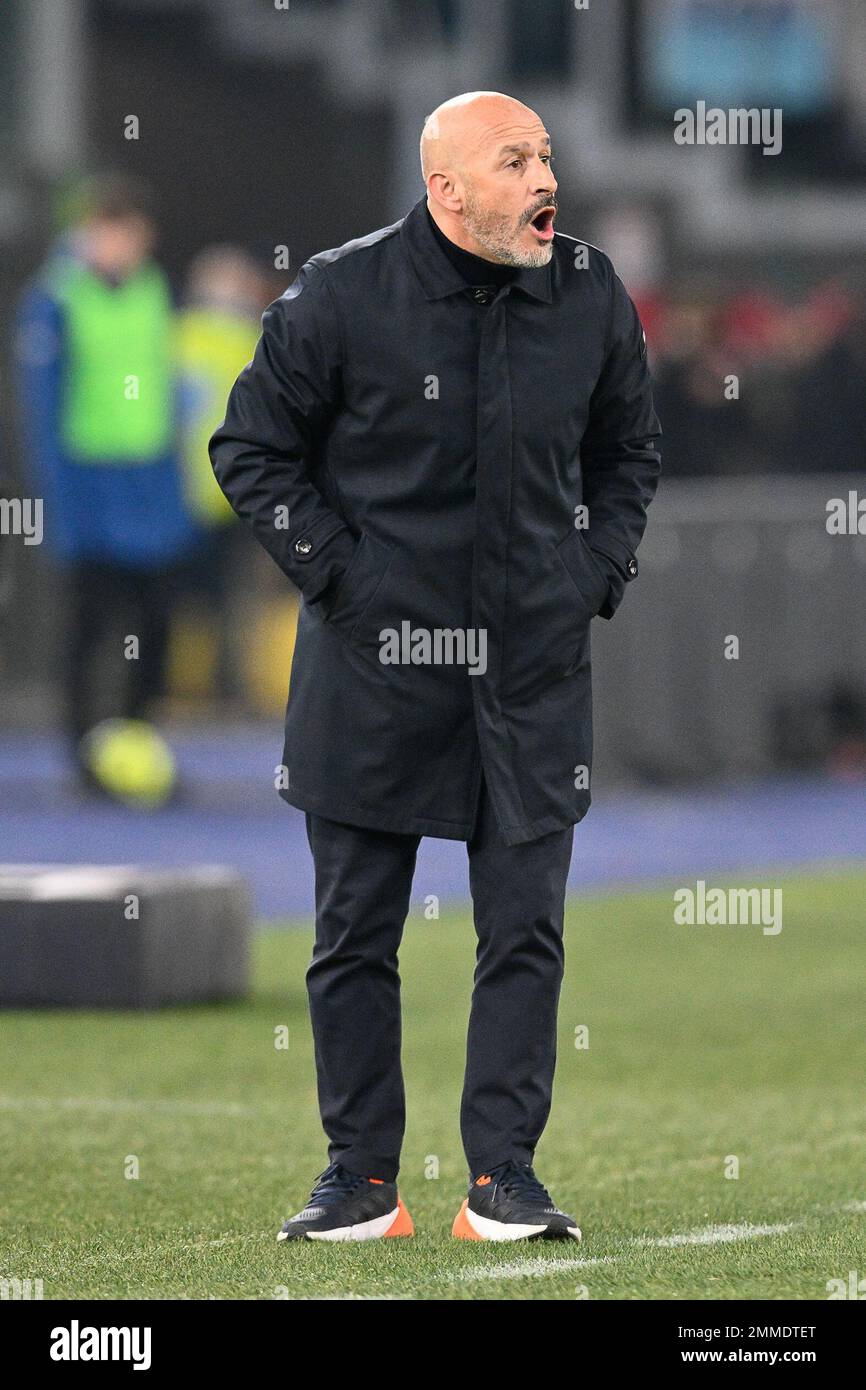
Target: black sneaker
x=347, y=1206
x=509, y=1203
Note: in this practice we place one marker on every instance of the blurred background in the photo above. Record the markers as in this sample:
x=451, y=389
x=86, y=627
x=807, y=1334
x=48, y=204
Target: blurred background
x=198, y=152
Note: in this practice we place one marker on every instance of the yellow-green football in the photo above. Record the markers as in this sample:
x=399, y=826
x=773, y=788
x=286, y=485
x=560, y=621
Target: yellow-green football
x=131, y=760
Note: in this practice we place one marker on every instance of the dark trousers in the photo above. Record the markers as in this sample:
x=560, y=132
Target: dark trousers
x=107, y=604
x=363, y=883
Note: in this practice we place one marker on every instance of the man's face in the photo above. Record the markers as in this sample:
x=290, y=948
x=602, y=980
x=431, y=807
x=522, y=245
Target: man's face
x=118, y=246
x=509, y=191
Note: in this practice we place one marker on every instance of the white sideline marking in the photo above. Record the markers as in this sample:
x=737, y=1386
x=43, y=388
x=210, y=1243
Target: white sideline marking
x=720, y=1235
x=119, y=1107
x=708, y=1235
x=528, y=1269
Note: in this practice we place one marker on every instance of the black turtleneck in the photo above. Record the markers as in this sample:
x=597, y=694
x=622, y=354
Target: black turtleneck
x=474, y=269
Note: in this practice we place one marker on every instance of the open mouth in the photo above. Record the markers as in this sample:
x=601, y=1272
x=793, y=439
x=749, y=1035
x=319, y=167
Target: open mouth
x=542, y=224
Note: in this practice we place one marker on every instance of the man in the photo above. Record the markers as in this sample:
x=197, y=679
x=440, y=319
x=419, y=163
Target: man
x=432, y=413
x=97, y=376
x=217, y=332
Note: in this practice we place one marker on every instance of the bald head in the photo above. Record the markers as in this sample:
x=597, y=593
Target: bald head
x=486, y=158
x=461, y=126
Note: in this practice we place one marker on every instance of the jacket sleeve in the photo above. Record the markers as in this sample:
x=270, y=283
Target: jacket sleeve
x=39, y=351
x=619, y=461
x=264, y=452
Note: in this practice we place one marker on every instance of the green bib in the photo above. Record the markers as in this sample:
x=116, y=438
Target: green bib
x=118, y=388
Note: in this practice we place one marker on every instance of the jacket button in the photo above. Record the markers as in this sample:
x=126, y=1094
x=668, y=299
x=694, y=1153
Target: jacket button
x=481, y=296
x=632, y=567
x=303, y=547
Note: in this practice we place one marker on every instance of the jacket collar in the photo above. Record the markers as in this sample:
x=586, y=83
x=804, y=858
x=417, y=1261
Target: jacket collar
x=439, y=277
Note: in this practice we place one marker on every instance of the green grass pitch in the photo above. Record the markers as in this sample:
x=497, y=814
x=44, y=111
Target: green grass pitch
x=706, y=1044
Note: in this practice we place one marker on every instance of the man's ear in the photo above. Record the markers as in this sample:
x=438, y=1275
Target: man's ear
x=443, y=190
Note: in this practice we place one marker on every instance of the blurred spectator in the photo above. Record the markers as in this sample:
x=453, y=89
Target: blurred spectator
x=217, y=332
x=799, y=396
x=831, y=402
x=704, y=433
x=98, y=389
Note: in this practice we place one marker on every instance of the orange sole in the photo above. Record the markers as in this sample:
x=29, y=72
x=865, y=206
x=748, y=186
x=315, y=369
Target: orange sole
x=402, y=1223
x=461, y=1228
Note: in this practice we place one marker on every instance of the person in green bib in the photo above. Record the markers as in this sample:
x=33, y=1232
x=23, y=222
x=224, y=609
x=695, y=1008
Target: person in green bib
x=215, y=337
x=99, y=395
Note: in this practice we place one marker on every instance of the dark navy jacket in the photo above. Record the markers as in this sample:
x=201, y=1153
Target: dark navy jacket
x=411, y=451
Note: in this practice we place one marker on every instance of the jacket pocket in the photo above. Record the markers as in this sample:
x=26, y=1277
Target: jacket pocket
x=357, y=586
x=584, y=571
x=556, y=595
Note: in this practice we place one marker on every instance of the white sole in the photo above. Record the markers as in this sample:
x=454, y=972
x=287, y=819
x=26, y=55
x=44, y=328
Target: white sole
x=498, y=1230
x=365, y=1230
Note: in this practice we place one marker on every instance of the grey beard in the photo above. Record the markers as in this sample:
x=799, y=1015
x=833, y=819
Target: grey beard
x=492, y=233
